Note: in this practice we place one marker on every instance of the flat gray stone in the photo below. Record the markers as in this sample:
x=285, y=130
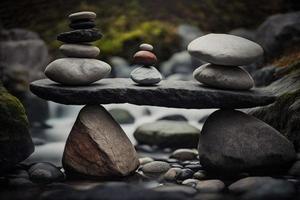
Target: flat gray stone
x=169, y=93
x=146, y=75
x=225, y=49
x=79, y=50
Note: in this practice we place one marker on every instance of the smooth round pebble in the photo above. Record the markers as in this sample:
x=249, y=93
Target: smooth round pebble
x=213, y=186
x=144, y=58
x=184, y=154
x=77, y=71
x=155, y=168
x=185, y=174
x=224, y=77
x=176, y=189
x=20, y=182
x=82, y=15
x=190, y=182
x=145, y=160
x=295, y=169
x=79, y=50
x=225, y=49
x=146, y=47
x=146, y=75
x=200, y=175
x=172, y=174
x=45, y=173
x=80, y=36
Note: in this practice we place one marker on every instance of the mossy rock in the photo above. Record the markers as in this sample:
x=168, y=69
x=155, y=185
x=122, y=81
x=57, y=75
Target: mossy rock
x=15, y=140
x=284, y=114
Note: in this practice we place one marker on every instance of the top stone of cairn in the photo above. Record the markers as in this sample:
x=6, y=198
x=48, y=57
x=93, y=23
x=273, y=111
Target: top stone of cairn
x=224, y=49
x=82, y=15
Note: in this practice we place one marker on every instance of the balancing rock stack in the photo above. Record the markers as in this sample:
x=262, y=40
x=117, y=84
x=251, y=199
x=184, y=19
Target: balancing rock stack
x=232, y=141
x=81, y=66
x=145, y=73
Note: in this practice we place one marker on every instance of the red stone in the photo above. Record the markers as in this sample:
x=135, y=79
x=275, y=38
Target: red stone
x=144, y=58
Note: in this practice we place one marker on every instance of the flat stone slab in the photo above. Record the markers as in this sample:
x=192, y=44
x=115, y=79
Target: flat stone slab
x=168, y=93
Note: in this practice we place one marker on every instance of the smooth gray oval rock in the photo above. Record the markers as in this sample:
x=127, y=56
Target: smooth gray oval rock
x=225, y=49
x=82, y=15
x=146, y=47
x=79, y=50
x=224, y=77
x=146, y=75
x=232, y=142
x=77, y=71
x=167, y=134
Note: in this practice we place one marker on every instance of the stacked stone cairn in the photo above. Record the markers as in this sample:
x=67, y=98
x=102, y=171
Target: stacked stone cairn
x=230, y=140
x=145, y=73
x=80, y=67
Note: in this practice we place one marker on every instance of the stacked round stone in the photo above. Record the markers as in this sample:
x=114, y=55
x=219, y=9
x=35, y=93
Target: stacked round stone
x=80, y=67
x=225, y=55
x=145, y=73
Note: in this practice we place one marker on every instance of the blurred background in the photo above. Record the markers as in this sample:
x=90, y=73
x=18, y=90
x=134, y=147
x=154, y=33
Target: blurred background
x=28, y=43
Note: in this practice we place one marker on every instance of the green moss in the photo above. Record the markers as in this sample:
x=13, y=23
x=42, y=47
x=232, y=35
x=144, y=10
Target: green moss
x=11, y=109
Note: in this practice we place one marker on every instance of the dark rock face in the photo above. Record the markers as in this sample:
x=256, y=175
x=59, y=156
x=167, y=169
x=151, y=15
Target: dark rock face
x=180, y=94
x=232, y=141
x=284, y=114
x=23, y=48
x=279, y=32
x=98, y=147
x=81, y=35
x=264, y=76
x=15, y=141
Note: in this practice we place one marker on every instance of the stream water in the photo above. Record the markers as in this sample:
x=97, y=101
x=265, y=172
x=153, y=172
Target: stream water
x=62, y=118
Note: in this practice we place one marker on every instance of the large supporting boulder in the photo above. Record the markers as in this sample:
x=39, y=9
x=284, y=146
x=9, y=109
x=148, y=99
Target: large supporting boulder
x=15, y=141
x=232, y=141
x=97, y=146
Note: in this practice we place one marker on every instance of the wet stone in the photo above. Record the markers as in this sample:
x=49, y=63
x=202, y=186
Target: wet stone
x=185, y=174
x=45, y=173
x=80, y=36
x=82, y=25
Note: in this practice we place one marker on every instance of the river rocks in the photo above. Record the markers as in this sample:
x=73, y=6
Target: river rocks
x=45, y=173
x=77, y=71
x=80, y=36
x=295, y=169
x=15, y=140
x=249, y=183
x=228, y=146
x=80, y=68
x=276, y=189
x=122, y=116
x=224, y=77
x=97, y=146
x=145, y=74
x=155, y=168
x=224, y=49
x=79, y=50
x=167, y=134
x=184, y=154
x=212, y=186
